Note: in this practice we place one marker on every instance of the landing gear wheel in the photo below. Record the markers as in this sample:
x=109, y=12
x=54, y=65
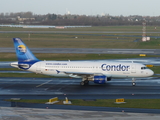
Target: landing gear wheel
x=83, y=83
x=86, y=82
x=133, y=84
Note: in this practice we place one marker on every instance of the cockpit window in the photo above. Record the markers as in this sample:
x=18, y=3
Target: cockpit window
x=143, y=68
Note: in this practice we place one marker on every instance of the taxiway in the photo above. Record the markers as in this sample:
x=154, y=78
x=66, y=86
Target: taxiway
x=46, y=88
x=68, y=86
x=87, y=51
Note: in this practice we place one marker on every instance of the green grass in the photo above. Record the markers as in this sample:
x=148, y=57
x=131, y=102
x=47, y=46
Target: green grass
x=83, y=40
x=10, y=69
x=68, y=41
x=73, y=56
x=25, y=75
x=130, y=103
x=156, y=69
x=30, y=101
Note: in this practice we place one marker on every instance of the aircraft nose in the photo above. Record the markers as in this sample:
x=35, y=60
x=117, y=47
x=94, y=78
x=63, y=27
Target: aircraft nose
x=151, y=73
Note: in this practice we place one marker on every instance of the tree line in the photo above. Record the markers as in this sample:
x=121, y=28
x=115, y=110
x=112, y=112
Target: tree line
x=69, y=19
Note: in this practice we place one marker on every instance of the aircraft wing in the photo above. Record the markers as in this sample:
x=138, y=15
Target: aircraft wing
x=79, y=73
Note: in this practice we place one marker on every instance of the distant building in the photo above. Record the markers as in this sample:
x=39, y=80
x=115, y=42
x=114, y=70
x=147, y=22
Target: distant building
x=25, y=19
x=59, y=27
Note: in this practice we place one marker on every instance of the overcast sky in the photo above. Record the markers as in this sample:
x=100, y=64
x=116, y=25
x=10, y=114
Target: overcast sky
x=87, y=7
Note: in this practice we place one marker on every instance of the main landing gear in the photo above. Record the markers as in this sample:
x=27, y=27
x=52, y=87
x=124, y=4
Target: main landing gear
x=133, y=82
x=84, y=83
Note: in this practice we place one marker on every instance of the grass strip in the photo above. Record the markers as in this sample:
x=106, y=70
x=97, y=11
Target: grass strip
x=25, y=75
x=130, y=103
x=74, y=56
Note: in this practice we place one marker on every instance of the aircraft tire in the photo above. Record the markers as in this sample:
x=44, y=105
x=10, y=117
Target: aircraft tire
x=86, y=82
x=133, y=84
x=82, y=83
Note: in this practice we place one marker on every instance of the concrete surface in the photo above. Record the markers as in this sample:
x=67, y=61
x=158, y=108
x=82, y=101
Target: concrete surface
x=7, y=113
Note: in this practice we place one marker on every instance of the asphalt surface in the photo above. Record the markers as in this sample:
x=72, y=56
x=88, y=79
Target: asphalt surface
x=55, y=114
x=46, y=88
x=87, y=50
x=49, y=32
x=68, y=86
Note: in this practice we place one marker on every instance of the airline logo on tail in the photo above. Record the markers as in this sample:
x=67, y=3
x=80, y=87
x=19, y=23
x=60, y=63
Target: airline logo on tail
x=23, y=53
x=22, y=49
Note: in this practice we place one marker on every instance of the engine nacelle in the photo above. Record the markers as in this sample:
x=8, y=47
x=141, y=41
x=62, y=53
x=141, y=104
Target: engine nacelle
x=100, y=79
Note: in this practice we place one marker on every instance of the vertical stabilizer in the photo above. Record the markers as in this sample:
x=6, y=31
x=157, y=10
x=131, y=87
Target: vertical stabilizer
x=22, y=51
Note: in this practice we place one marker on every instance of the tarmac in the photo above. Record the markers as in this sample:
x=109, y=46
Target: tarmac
x=7, y=113
x=87, y=51
x=26, y=88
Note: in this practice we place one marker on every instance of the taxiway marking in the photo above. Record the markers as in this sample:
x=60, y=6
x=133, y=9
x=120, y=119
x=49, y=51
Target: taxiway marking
x=44, y=83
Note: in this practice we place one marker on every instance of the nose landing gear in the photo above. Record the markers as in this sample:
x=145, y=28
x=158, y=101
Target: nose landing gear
x=133, y=82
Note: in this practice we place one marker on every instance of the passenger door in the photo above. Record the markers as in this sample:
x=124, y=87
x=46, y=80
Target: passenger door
x=133, y=68
x=38, y=69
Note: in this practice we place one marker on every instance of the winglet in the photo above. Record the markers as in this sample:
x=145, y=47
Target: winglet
x=22, y=51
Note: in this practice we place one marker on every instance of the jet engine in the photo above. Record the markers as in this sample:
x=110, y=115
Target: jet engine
x=100, y=79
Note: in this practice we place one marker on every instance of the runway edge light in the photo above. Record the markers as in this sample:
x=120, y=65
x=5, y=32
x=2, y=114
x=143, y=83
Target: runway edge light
x=67, y=102
x=53, y=100
x=120, y=101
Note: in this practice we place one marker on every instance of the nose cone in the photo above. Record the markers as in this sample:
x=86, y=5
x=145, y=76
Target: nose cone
x=150, y=73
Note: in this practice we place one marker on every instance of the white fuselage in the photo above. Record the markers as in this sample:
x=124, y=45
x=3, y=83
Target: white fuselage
x=77, y=68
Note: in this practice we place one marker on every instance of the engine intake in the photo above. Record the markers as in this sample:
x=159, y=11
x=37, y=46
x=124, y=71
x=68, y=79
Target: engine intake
x=100, y=79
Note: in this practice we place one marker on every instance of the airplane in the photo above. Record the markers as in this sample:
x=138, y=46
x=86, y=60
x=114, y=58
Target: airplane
x=99, y=72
